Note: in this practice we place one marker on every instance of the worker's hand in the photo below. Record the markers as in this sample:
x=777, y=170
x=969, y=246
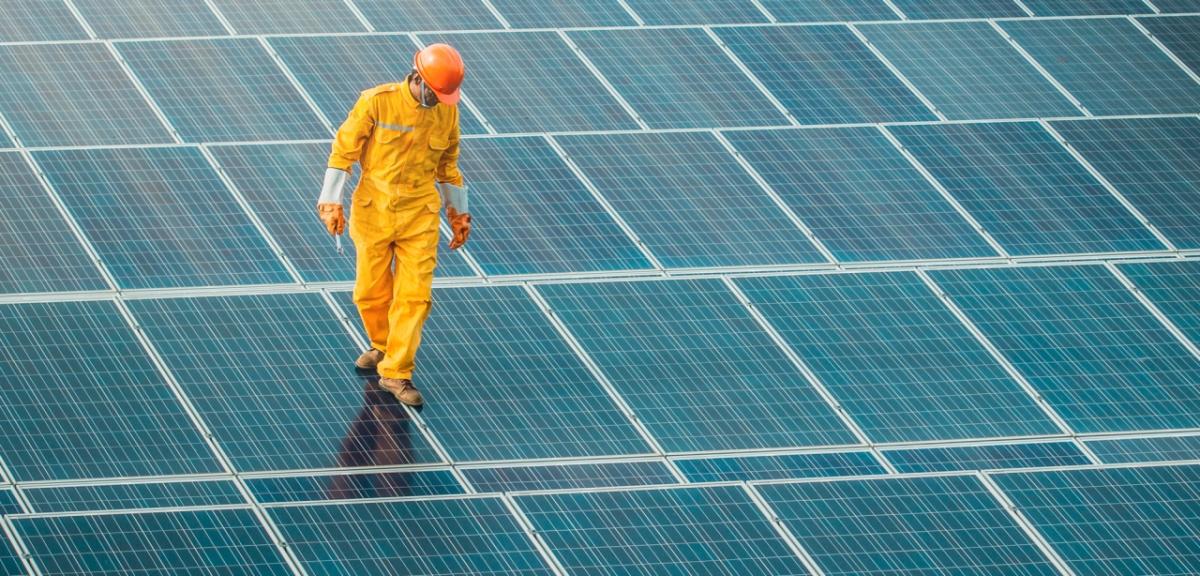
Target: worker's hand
x=460, y=224
x=333, y=216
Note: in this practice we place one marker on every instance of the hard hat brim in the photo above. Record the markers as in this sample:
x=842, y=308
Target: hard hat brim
x=450, y=99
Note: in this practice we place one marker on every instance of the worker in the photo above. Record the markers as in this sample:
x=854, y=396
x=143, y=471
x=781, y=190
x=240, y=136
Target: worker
x=405, y=136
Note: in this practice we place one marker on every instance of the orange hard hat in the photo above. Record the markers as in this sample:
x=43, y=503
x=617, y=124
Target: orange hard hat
x=442, y=69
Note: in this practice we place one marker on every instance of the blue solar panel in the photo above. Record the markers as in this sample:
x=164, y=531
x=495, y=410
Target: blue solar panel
x=1176, y=6
x=712, y=530
x=1086, y=7
x=222, y=90
x=859, y=195
x=828, y=10
x=38, y=21
x=273, y=377
x=288, y=16
x=354, y=486
x=1180, y=34
x=991, y=457
x=823, y=74
x=1025, y=189
x=8, y=502
x=132, y=496
x=689, y=200
x=160, y=217
x=539, y=14
x=576, y=476
x=1157, y=449
x=1085, y=343
x=1174, y=287
x=934, y=9
x=184, y=543
x=1109, y=65
x=82, y=399
x=779, y=467
x=442, y=537
x=10, y=564
x=73, y=94
x=389, y=15
x=683, y=79
x=694, y=366
x=1115, y=521
x=149, y=18
x=895, y=357
x=968, y=70
x=655, y=12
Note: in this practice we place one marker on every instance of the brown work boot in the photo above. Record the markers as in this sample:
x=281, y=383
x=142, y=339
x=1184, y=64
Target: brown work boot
x=403, y=390
x=369, y=360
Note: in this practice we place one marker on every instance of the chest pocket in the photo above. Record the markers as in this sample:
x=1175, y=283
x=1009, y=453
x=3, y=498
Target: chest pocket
x=437, y=147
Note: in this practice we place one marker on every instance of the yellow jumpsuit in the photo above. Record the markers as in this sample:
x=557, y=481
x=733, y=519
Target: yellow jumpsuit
x=403, y=149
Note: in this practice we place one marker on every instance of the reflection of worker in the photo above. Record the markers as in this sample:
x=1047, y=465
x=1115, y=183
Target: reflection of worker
x=405, y=136
x=380, y=436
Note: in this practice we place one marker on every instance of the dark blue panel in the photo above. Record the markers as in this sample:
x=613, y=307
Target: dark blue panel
x=273, y=377
x=73, y=94
x=1176, y=6
x=177, y=543
x=1109, y=65
x=437, y=537
x=10, y=565
x=935, y=9
x=779, y=467
x=824, y=74
x=149, y=18
x=1115, y=521
x=1161, y=449
x=1153, y=162
x=859, y=195
x=131, y=496
x=1025, y=189
x=540, y=217
x=959, y=458
x=682, y=78
x=288, y=16
x=81, y=399
x=1174, y=287
x=717, y=530
x=896, y=358
x=161, y=217
x=828, y=10
x=689, y=200
x=540, y=14
x=655, y=12
x=354, y=486
x=1180, y=34
x=501, y=384
x=508, y=83
x=389, y=15
x=222, y=90
x=1085, y=343
x=40, y=253
x=1086, y=7
x=968, y=70
x=38, y=20
x=569, y=476
x=911, y=526
x=8, y=502
x=694, y=366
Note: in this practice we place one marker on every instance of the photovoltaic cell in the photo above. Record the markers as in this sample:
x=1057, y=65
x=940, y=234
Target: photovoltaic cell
x=536, y=14
x=73, y=94
x=354, y=486
x=434, y=537
x=1109, y=65
x=10, y=565
x=689, y=200
x=222, y=90
x=1154, y=449
x=8, y=503
x=1174, y=287
x=745, y=468
x=81, y=399
x=149, y=18
x=273, y=378
x=968, y=70
x=991, y=457
x=913, y=526
x=1085, y=343
x=694, y=366
x=859, y=195
x=1176, y=6
x=160, y=217
x=655, y=12
x=1117, y=520
x=682, y=80
x=133, y=496
x=823, y=74
x=391, y=16
x=828, y=10
x=937, y=9
x=1180, y=34
x=288, y=16
x=711, y=530
x=1086, y=7
x=1025, y=189
x=573, y=476
x=38, y=21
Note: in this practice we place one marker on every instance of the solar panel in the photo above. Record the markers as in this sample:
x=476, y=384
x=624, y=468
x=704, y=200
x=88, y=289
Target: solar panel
x=571, y=476
x=694, y=366
x=73, y=94
x=273, y=378
x=1153, y=162
x=133, y=496
x=1172, y=6
x=1084, y=343
x=737, y=469
x=389, y=15
x=160, y=217
x=859, y=195
x=1025, y=189
x=828, y=10
x=823, y=74
x=1086, y=7
x=149, y=18
x=710, y=530
x=937, y=9
x=81, y=399
x=1109, y=65
x=500, y=383
x=222, y=90
x=288, y=16
x=194, y=542
x=689, y=200
x=1173, y=287
x=1153, y=449
x=1115, y=521
x=968, y=70
x=8, y=502
x=895, y=357
x=683, y=79
x=454, y=536
x=988, y=457
x=1180, y=34
x=354, y=486
x=10, y=564
x=658, y=12
x=38, y=21
x=914, y=526
x=537, y=14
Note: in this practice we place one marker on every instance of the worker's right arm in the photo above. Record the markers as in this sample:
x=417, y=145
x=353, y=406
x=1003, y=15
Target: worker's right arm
x=347, y=149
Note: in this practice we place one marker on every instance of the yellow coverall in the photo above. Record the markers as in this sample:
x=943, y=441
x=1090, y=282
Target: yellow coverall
x=403, y=149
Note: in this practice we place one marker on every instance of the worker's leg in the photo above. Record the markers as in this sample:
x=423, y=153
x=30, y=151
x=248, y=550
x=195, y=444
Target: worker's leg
x=416, y=258
x=372, y=234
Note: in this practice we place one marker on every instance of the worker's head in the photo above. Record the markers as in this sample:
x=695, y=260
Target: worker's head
x=438, y=71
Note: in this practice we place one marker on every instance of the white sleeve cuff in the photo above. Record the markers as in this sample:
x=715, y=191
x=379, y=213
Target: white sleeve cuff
x=453, y=196
x=331, y=190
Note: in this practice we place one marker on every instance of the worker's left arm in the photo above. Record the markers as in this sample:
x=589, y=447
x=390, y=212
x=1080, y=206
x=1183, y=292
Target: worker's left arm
x=454, y=190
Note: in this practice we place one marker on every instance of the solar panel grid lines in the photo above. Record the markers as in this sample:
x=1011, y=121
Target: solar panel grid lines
x=1041, y=69
x=1162, y=46
x=14, y=558
x=1165, y=449
x=604, y=81
x=1026, y=526
x=1155, y=310
x=784, y=531
x=750, y=74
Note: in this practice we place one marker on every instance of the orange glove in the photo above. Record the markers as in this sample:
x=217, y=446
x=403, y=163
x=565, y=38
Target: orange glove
x=334, y=217
x=460, y=224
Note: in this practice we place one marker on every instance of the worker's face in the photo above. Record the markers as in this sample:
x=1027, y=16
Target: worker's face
x=425, y=95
